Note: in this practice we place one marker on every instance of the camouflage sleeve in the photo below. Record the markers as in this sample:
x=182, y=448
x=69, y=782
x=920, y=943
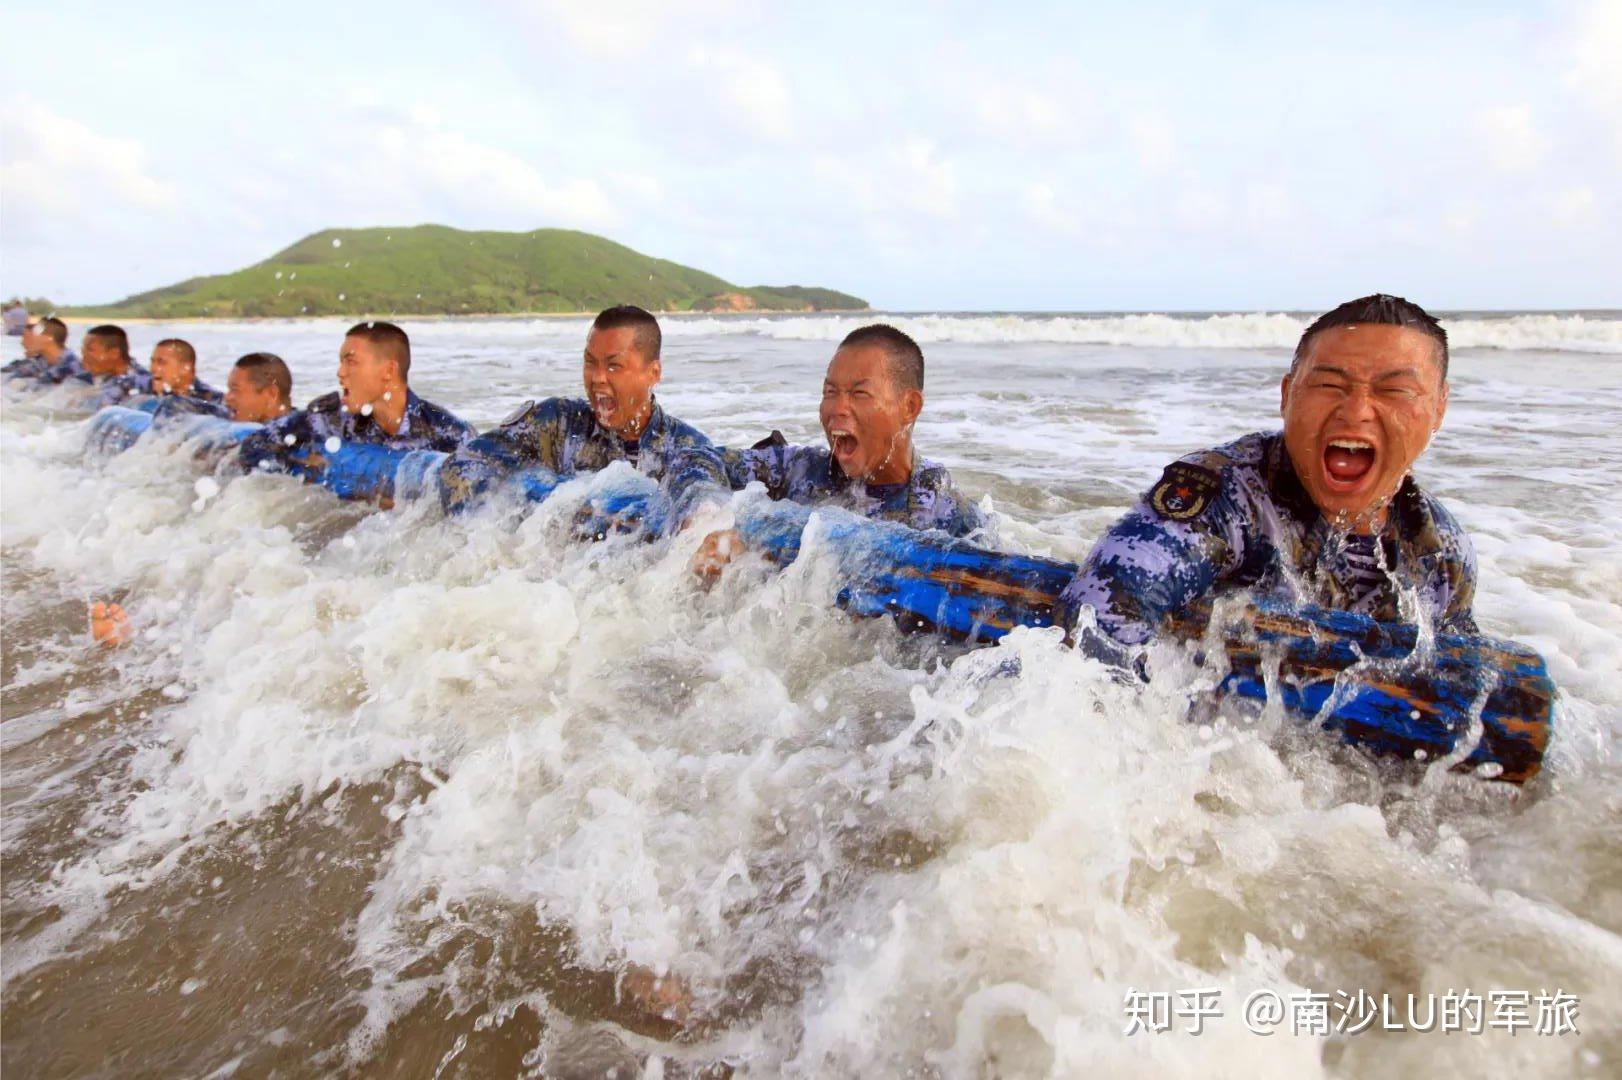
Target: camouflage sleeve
x=695, y=476
x=264, y=449
x=532, y=436
x=1452, y=589
x=1165, y=553
x=950, y=510
x=450, y=432
x=765, y=463
x=172, y=405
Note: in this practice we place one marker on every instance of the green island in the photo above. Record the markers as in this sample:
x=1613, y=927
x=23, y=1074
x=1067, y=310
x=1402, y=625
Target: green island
x=437, y=270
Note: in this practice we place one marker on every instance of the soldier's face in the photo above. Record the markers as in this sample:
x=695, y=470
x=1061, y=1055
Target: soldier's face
x=102, y=356
x=866, y=417
x=172, y=373
x=365, y=374
x=619, y=380
x=249, y=403
x=1358, y=411
x=33, y=340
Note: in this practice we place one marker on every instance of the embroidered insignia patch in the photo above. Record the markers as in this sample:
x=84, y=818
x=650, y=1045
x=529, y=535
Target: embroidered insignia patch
x=1184, y=491
x=519, y=413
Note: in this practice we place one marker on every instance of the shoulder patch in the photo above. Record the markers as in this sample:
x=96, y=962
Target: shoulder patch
x=1184, y=491
x=518, y=414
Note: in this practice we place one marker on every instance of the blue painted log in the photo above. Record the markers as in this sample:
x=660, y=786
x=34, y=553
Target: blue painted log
x=116, y=428
x=1367, y=680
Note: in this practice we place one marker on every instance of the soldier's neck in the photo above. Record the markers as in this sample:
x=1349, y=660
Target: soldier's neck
x=388, y=411
x=632, y=432
x=896, y=468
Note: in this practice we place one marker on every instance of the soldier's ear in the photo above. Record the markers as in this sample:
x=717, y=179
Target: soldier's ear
x=1284, y=395
x=912, y=403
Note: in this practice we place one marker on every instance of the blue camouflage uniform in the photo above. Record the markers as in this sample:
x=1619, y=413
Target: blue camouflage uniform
x=810, y=475
x=563, y=435
x=39, y=368
x=424, y=426
x=172, y=405
x=1236, y=518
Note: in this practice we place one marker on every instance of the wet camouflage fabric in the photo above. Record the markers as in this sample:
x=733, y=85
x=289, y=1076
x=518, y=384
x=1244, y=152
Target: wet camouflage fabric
x=810, y=475
x=119, y=388
x=69, y=366
x=563, y=435
x=172, y=405
x=1237, y=517
x=425, y=426
x=33, y=367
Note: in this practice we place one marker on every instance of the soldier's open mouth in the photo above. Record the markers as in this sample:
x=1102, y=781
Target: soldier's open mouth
x=843, y=443
x=1348, y=461
x=603, y=406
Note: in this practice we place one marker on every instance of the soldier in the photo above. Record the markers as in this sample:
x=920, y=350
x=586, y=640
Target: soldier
x=174, y=372
x=259, y=390
x=107, y=364
x=619, y=420
x=871, y=397
x=1325, y=511
x=374, y=404
x=45, y=345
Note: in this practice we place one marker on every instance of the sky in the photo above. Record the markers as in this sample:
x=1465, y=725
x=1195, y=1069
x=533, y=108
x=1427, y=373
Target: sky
x=951, y=156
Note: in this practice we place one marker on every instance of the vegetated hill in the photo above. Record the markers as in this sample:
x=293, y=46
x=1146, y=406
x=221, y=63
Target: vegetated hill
x=436, y=270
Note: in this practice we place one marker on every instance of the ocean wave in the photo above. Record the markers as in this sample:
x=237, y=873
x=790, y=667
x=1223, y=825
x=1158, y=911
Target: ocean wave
x=1565, y=333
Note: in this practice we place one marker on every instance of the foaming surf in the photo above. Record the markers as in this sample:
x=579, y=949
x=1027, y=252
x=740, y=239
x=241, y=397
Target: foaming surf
x=392, y=793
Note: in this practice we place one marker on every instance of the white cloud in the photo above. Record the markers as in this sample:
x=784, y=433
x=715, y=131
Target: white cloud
x=1154, y=141
x=754, y=92
x=58, y=172
x=1025, y=113
x=1042, y=206
x=609, y=28
x=1596, y=72
x=1573, y=207
x=412, y=158
x=922, y=178
x=1461, y=217
x=1512, y=139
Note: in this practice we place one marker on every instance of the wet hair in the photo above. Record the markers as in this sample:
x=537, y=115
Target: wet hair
x=187, y=353
x=1381, y=310
x=648, y=338
x=387, y=337
x=267, y=369
x=906, y=359
x=53, y=328
x=114, y=334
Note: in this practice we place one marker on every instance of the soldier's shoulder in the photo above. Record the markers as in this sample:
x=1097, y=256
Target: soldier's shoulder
x=1189, y=487
x=441, y=415
x=684, y=432
x=933, y=475
x=326, y=403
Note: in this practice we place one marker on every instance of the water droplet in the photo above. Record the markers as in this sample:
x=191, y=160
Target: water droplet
x=289, y=440
x=293, y=275
x=333, y=443
x=388, y=395
x=337, y=242
x=820, y=704
x=366, y=409
x=278, y=275
x=340, y=296
x=190, y=987
x=206, y=487
x=348, y=541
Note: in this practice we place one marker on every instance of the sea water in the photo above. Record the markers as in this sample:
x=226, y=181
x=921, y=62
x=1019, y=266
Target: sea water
x=388, y=794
